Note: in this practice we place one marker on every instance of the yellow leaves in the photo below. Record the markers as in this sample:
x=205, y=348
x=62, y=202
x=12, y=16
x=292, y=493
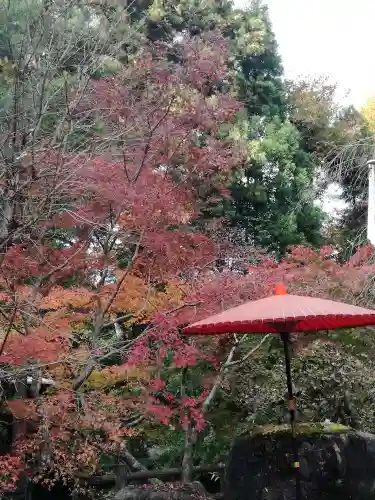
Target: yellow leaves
x=130, y=432
x=183, y=98
x=254, y=151
x=81, y=355
x=74, y=298
x=368, y=111
x=69, y=309
x=156, y=10
x=313, y=102
x=131, y=282
x=100, y=380
x=133, y=295
x=63, y=320
x=142, y=299
x=7, y=70
x=71, y=365
x=108, y=377
x=62, y=375
x=173, y=296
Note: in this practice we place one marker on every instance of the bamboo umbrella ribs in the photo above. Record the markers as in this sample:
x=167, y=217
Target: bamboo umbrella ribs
x=284, y=314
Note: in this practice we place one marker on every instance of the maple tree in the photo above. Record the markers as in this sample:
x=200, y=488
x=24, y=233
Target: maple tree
x=98, y=236
x=158, y=362
x=108, y=243
x=304, y=270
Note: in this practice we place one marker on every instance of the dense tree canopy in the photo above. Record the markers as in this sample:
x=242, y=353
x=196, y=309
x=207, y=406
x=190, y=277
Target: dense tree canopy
x=155, y=168
x=255, y=80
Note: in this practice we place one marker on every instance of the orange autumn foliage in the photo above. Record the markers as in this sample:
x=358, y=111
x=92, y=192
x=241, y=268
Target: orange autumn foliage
x=59, y=302
x=134, y=296
x=73, y=298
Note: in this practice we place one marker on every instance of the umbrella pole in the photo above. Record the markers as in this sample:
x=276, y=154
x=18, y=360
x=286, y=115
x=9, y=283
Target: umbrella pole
x=285, y=337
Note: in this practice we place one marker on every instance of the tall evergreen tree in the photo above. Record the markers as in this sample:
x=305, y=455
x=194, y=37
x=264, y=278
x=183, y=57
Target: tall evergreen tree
x=271, y=197
x=273, y=191
x=273, y=194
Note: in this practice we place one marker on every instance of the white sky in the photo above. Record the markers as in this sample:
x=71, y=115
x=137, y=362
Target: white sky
x=327, y=37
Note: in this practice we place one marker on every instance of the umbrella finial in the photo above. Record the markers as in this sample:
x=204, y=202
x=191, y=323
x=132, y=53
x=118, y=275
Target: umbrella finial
x=280, y=289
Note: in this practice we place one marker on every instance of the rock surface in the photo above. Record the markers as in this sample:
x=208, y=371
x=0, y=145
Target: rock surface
x=193, y=491
x=334, y=465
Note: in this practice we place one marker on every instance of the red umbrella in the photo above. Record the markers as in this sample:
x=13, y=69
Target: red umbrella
x=285, y=314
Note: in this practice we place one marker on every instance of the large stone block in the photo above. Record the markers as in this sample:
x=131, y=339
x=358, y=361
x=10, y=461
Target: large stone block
x=335, y=464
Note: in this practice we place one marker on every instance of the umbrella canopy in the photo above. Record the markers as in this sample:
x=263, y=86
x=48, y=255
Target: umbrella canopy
x=283, y=312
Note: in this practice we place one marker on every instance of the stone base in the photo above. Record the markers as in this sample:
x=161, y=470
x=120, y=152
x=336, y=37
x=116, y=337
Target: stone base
x=336, y=463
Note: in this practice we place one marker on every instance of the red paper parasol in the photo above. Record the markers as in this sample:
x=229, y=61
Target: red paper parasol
x=284, y=314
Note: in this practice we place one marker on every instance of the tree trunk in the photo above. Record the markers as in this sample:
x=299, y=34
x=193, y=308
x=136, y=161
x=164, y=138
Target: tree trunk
x=145, y=475
x=187, y=461
x=7, y=215
x=122, y=472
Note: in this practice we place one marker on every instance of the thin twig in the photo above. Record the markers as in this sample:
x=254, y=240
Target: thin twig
x=9, y=329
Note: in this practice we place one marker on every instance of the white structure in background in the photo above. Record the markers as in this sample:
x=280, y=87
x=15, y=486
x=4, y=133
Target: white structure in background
x=42, y=381
x=371, y=202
